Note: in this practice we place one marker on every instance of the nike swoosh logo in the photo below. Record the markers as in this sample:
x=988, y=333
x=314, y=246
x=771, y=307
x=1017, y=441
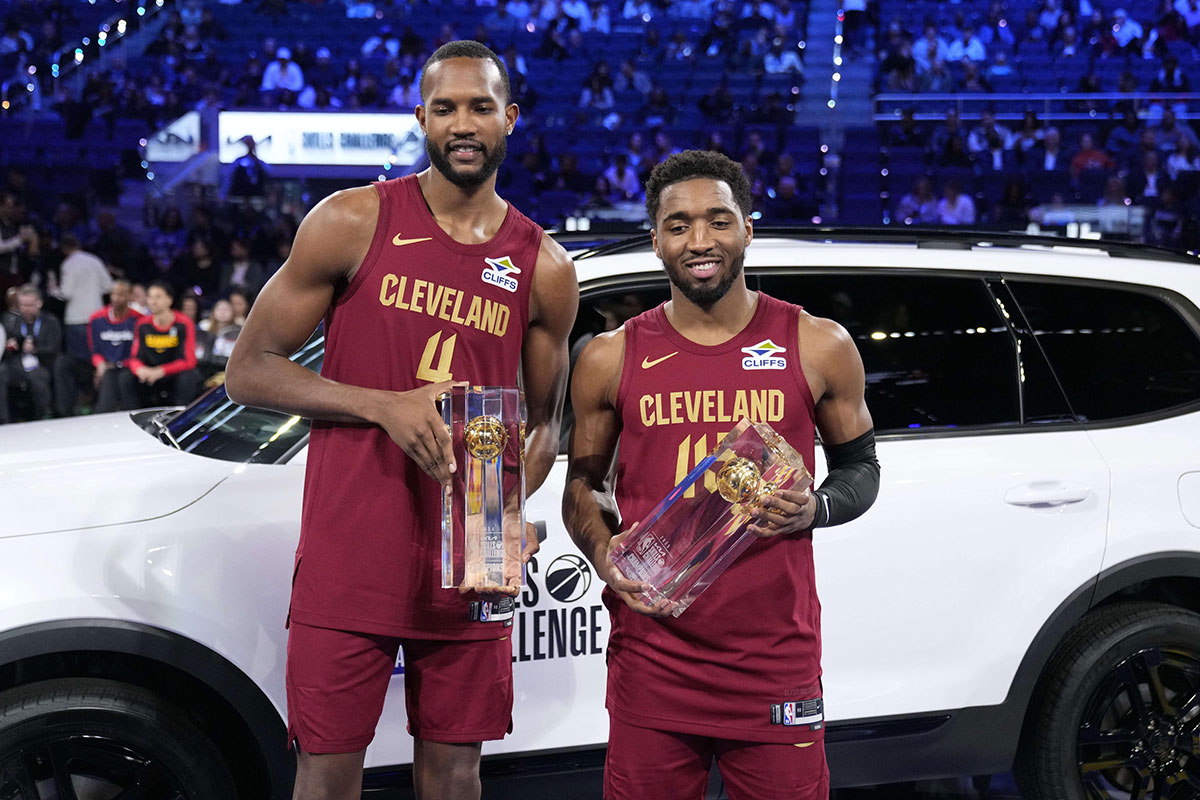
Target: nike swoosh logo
x=647, y=363
x=396, y=240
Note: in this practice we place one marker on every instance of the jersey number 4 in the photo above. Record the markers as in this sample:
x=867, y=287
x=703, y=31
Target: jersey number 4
x=426, y=371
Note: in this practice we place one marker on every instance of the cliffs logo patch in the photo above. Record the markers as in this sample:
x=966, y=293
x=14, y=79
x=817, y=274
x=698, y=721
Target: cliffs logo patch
x=764, y=355
x=568, y=578
x=500, y=272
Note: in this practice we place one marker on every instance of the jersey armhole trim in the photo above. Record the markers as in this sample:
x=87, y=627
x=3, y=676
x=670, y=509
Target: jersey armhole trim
x=372, y=257
x=798, y=370
x=627, y=365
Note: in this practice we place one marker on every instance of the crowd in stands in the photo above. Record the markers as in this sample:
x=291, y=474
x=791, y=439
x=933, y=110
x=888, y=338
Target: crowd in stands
x=176, y=300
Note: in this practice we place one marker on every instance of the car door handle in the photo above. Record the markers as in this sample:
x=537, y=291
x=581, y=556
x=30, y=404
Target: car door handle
x=1047, y=494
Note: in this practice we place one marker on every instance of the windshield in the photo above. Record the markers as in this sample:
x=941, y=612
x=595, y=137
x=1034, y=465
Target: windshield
x=216, y=427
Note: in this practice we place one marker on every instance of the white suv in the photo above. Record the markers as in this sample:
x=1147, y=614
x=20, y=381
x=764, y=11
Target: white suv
x=1025, y=591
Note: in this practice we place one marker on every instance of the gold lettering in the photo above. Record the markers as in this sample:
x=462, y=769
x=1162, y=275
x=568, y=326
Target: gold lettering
x=433, y=298
x=646, y=404
x=741, y=409
x=501, y=321
x=447, y=300
x=400, y=294
x=758, y=406
x=710, y=401
x=454, y=317
x=693, y=409
x=681, y=465
x=776, y=405
x=418, y=294
x=658, y=411
x=487, y=322
x=387, y=286
x=722, y=415
x=472, y=320
x=161, y=341
x=676, y=407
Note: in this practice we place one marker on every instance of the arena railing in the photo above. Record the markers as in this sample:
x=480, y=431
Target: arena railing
x=1063, y=106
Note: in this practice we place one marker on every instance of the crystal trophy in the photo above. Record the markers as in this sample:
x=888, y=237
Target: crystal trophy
x=685, y=543
x=483, y=508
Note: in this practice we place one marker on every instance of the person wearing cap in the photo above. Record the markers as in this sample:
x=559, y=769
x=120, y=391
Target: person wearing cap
x=283, y=75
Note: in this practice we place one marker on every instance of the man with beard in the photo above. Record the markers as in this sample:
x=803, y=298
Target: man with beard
x=423, y=282
x=682, y=691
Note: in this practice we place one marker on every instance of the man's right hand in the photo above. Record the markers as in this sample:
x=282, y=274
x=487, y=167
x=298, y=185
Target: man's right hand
x=622, y=587
x=414, y=422
x=99, y=375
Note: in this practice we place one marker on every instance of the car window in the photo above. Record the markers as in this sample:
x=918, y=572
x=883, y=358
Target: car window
x=216, y=427
x=1117, y=352
x=936, y=351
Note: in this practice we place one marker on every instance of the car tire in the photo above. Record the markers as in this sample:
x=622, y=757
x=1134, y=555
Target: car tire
x=104, y=738
x=1117, y=713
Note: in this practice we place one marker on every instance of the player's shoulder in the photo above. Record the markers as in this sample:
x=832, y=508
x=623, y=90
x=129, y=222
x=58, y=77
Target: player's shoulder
x=604, y=354
x=356, y=206
x=553, y=257
x=823, y=332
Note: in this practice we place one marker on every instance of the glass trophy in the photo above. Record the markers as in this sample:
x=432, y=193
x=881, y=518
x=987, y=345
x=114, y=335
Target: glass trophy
x=483, y=508
x=685, y=543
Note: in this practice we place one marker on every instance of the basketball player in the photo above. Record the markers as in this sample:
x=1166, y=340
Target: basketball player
x=421, y=281
x=737, y=677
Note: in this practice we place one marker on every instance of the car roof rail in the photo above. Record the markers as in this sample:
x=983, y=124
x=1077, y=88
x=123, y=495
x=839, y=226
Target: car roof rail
x=931, y=238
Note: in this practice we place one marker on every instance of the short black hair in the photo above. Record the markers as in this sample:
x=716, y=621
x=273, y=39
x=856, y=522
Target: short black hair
x=166, y=287
x=467, y=48
x=691, y=164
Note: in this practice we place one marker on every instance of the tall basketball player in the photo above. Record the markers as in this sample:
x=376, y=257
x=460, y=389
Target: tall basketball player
x=683, y=691
x=399, y=271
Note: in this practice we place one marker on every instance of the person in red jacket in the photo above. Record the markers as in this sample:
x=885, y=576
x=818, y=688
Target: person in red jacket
x=162, y=365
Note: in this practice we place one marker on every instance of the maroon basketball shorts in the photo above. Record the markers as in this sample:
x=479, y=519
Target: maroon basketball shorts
x=645, y=763
x=454, y=692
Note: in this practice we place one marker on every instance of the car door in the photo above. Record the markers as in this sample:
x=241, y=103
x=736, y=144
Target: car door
x=992, y=506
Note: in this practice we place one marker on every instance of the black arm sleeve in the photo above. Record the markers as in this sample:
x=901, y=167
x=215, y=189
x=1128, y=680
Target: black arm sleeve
x=852, y=483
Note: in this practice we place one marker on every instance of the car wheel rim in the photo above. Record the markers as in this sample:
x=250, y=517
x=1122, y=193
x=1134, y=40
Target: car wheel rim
x=83, y=766
x=1140, y=732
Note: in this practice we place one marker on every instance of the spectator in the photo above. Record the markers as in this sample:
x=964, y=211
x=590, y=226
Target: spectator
x=241, y=269
x=33, y=343
x=756, y=145
x=601, y=195
x=1146, y=143
x=596, y=19
x=1171, y=78
x=199, y=269
x=995, y=32
x=502, y=21
x=630, y=78
x=978, y=141
x=623, y=180
x=569, y=178
x=715, y=142
x=996, y=157
x=937, y=80
x=955, y=208
x=162, y=364
x=1012, y=210
x=1127, y=33
x=908, y=133
x=919, y=206
x=972, y=79
x=1126, y=85
x=968, y=47
x=14, y=239
x=657, y=111
x=1029, y=134
x=241, y=301
x=999, y=68
x=282, y=79
x=595, y=95
x=1050, y=14
x=85, y=281
x=1097, y=35
x=249, y=176
x=779, y=60
x=929, y=48
x=1169, y=130
x=900, y=70
x=222, y=331
x=1185, y=158
x=1068, y=45
x=168, y=240
x=110, y=341
x=1146, y=181
x=115, y=245
x=951, y=129
x=1114, y=193
x=1089, y=157
x=718, y=105
x=1189, y=10
x=1165, y=226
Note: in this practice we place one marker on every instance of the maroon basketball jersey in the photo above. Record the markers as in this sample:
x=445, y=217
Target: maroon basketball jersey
x=752, y=640
x=421, y=308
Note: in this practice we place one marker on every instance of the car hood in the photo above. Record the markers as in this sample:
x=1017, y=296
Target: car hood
x=93, y=471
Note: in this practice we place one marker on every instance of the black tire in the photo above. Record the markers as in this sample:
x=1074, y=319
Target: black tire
x=90, y=738
x=1117, y=712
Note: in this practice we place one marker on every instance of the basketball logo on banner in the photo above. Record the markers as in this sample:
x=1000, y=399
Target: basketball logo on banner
x=568, y=578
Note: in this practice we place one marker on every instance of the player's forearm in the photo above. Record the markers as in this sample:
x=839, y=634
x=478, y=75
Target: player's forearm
x=541, y=450
x=278, y=383
x=591, y=518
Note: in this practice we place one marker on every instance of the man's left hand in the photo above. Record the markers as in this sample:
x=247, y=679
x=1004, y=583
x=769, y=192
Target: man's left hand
x=785, y=511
